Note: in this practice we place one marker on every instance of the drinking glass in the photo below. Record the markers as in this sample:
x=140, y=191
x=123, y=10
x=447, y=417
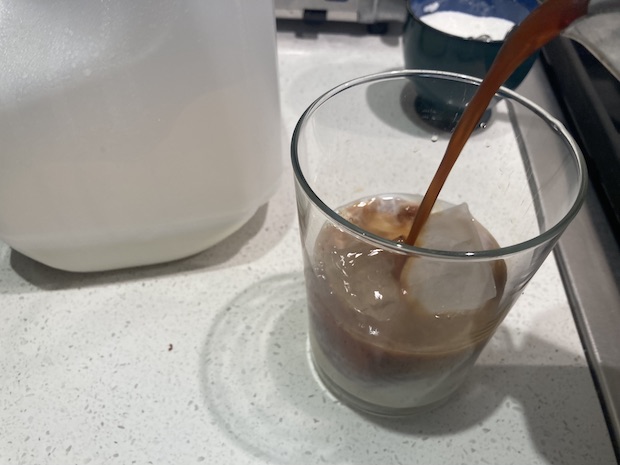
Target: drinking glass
x=394, y=328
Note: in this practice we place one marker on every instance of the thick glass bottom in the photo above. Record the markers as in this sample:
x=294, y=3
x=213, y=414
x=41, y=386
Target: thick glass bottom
x=370, y=408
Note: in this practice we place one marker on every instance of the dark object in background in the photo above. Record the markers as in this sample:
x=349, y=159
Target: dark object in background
x=590, y=96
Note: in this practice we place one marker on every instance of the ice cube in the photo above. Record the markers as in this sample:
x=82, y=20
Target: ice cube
x=361, y=277
x=444, y=286
x=452, y=228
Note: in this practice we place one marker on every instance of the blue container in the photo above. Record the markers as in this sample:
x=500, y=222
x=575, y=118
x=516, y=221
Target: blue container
x=428, y=48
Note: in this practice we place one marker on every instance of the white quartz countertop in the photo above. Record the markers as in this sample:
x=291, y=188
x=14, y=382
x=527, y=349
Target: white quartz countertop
x=204, y=360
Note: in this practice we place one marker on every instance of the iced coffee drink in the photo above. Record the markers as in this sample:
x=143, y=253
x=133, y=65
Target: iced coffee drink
x=404, y=293
x=388, y=330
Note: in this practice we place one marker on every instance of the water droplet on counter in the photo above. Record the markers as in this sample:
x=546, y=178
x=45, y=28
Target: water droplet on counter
x=434, y=138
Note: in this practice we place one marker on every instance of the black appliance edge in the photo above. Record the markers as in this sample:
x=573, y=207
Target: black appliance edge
x=588, y=253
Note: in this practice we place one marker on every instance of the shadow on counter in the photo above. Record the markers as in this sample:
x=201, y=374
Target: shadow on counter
x=247, y=244
x=258, y=385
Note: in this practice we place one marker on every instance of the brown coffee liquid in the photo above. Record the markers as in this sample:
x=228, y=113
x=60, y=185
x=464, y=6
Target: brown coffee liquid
x=543, y=24
x=373, y=337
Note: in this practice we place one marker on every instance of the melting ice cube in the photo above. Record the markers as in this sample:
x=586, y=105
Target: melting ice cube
x=444, y=286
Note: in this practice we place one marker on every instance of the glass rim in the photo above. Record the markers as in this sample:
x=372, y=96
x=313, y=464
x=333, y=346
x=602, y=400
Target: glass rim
x=406, y=249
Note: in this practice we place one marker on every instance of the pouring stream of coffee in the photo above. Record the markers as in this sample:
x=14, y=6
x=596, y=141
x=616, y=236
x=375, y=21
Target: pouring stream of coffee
x=539, y=27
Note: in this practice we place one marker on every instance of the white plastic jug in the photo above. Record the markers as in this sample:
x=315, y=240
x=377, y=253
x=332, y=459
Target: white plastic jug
x=134, y=132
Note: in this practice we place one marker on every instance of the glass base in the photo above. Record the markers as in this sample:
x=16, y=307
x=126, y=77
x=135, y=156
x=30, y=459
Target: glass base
x=370, y=408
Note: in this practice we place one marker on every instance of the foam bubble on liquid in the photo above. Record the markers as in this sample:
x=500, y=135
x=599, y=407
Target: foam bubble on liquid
x=465, y=25
x=431, y=7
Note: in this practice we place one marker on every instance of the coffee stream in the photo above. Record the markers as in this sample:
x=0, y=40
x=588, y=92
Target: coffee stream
x=543, y=24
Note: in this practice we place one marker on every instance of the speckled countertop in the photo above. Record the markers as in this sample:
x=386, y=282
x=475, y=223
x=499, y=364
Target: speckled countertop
x=204, y=360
